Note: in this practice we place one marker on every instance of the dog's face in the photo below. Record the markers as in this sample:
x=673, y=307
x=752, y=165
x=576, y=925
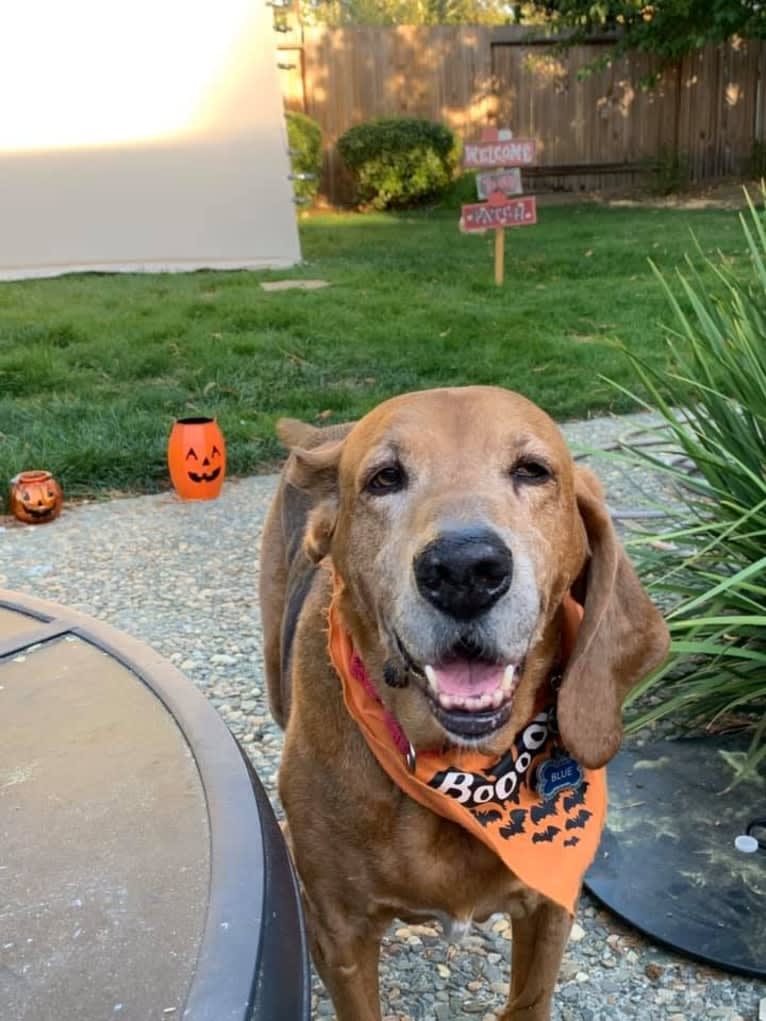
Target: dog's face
x=452, y=518
x=449, y=507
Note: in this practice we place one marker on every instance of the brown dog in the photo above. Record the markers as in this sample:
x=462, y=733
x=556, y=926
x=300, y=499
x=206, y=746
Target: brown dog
x=451, y=526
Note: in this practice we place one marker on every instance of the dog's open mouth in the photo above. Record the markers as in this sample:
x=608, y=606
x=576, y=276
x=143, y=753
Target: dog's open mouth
x=468, y=695
x=471, y=698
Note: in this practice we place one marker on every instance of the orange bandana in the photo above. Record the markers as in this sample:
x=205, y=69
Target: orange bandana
x=535, y=807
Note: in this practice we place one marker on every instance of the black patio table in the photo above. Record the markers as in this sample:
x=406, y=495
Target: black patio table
x=142, y=871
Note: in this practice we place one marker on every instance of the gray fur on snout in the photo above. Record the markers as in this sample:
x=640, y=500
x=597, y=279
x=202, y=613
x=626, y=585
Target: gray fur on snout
x=504, y=633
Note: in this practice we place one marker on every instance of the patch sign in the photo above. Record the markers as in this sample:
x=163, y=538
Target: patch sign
x=519, y=212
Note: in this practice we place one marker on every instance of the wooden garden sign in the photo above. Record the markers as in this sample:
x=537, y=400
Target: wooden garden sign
x=499, y=156
x=499, y=212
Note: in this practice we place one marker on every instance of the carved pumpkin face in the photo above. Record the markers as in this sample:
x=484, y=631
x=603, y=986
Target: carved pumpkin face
x=207, y=468
x=35, y=497
x=196, y=458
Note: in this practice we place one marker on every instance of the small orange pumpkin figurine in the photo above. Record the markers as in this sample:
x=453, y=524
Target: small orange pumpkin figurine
x=196, y=458
x=35, y=497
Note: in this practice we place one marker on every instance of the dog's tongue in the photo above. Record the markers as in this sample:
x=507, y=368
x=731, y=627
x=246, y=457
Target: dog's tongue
x=464, y=677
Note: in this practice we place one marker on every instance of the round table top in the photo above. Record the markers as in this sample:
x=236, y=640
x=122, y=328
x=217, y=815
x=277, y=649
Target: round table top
x=134, y=840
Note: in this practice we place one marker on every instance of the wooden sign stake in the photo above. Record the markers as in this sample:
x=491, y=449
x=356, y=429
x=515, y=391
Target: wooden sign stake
x=499, y=256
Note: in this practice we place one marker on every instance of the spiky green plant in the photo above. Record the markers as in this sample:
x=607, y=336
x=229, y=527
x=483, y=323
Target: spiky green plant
x=708, y=569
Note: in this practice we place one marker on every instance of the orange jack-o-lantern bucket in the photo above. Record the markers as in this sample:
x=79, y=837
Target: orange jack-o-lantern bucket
x=197, y=458
x=35, y=497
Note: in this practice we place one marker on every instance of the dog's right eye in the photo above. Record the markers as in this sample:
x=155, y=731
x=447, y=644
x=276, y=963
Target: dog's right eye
x=386, y=480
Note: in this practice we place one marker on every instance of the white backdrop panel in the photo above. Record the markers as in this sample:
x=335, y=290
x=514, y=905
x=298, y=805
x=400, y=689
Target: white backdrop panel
x=143, y=136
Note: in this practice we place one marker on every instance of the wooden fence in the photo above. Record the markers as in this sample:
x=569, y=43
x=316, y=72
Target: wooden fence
x=592, y=132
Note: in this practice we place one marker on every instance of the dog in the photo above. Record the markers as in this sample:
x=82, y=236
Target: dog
x=451, y=626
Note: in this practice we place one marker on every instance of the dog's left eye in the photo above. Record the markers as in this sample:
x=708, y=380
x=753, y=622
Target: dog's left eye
x=530, y=472
x=386, y=480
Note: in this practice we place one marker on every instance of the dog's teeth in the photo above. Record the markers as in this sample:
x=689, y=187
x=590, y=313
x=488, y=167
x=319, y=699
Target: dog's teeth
x=433, y=680
x=508, y=678
x=447, y=701
x=498, y=698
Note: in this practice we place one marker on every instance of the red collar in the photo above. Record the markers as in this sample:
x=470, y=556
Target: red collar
x=359, y=673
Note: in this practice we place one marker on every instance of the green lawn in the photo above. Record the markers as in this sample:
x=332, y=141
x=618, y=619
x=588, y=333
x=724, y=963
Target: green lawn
x=93, y=368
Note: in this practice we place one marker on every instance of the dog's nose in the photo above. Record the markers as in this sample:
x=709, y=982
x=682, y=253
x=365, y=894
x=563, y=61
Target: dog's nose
x=464, y=571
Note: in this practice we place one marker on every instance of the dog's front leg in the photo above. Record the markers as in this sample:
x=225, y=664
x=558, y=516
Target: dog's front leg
x=539, y=939
x=346, y=955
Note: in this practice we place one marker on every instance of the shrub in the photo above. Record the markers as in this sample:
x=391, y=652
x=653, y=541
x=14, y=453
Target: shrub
x=304, y=137
x=709, y=569
x=461, y=191
x=399, y=161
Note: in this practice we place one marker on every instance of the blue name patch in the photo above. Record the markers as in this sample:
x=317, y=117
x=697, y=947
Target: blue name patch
x=556, y=775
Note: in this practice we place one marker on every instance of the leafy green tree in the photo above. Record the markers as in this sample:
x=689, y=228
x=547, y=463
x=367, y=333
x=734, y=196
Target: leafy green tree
x=667, y=28
x=406, y=12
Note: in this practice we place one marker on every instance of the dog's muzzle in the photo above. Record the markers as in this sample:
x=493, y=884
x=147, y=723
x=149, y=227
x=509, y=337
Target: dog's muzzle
x=463, y=573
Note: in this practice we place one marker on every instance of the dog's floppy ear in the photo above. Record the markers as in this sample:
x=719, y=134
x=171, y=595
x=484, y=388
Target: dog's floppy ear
x=314, y=470
x=621, y=639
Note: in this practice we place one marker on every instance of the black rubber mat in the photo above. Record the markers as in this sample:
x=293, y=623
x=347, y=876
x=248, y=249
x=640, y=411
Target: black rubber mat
x=668, y=864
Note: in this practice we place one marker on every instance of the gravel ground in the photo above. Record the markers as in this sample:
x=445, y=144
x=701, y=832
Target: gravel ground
x=182, y=577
